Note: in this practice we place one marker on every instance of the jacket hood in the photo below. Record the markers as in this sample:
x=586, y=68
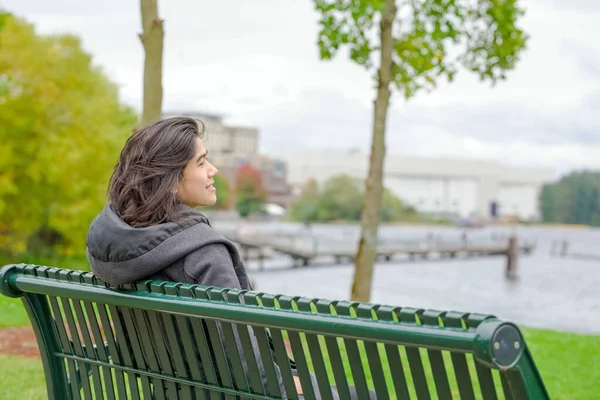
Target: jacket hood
x=119, y=253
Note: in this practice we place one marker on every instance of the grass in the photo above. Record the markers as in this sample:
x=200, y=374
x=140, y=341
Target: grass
x=21, y=378
x=13, y=313
x=569, y=362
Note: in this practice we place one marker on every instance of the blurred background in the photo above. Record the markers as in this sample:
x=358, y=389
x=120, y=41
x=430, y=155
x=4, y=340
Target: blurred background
x=491, y=192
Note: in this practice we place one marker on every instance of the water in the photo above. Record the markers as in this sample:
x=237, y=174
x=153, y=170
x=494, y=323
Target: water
x=551, y=292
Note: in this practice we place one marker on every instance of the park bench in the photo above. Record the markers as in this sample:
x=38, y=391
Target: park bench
x=91, y=348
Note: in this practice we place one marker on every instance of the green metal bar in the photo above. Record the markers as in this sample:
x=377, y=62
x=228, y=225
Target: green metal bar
x=506, y=387
x=190, y=351
x=173, y=342
x=440, y=377
x=366, y=311
x=254, y=380
x=214, y=339
x=486, y=382
x=459, y=361
x=144, y=331
x=109, y=391
x=124, y=349
x=409, y=316
x=298, y=351
x=281, y=356
x=82, y=371
x=356, y=365
x=397, y=370
x=219, y=389
x=333, y=350
x=463, y=377
x=266, y=355
x=112, y=348
x=67, y=346
x=531, y=379
x=418, y=372
x=302, y=365
x=436, y=360
x=206, y=358
x=386, y=332
x=316, y=355
x=89, y=347
x=133, y=334
x=387, y=313
x=157, y=328
x=48, y=343
x=231, y=347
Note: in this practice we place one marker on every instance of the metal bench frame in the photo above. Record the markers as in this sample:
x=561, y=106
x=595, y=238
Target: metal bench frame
x=426, y=352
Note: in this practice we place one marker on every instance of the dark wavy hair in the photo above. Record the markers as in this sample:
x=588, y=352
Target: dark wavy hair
x=142, y=186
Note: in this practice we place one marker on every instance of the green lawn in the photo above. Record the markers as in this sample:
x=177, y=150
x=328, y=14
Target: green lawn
x=569, y=362
x=21, y=378
x=12, y=313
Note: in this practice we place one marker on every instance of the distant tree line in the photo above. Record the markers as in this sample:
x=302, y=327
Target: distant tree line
x=574, y=199
x=340, y=198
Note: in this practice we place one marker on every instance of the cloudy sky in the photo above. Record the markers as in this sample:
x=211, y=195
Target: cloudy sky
x=256, y=62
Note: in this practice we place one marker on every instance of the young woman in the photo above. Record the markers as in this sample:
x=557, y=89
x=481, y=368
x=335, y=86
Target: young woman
x=150, y=229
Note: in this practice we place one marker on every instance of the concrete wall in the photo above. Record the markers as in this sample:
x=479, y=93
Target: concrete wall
x=433, y=185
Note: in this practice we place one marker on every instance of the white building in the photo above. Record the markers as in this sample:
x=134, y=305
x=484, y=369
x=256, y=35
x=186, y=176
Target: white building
x=469, y=188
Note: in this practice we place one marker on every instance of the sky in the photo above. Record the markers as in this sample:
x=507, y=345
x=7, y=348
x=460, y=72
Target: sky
x=257, y=63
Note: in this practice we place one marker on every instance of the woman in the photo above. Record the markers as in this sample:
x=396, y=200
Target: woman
x=150, y=229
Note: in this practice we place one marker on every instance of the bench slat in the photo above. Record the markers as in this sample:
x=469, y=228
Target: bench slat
x=144, y=330
x=92, y=317
x=82, y=368
x=436, y=359
x=231, y=346
x=392, y=352
x=316, y=354
x=333, y=350
x=486, y=382
x=173, y=337
x=300, y=358
x=89, y=347
x=112, y=347
x=244, y=332
x=281, y=356
x=354, y=357
x=214, y=338
x=266, y=355
x=410, y=315
x=156, y=329
x=199, y=334
x=459, y=361
x=65, y=344
x=122, y=343
x=133, y=333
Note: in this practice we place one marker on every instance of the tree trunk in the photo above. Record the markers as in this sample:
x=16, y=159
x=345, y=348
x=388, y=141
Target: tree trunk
x=152, y=39
x=367, y=248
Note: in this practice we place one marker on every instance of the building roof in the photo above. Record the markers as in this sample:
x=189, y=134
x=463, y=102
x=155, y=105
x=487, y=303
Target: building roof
x=193, y=114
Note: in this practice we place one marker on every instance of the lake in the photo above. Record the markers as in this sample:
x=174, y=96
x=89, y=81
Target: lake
x=551, y=292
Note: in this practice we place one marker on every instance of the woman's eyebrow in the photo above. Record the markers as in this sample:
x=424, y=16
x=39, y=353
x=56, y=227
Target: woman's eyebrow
x=201, y=156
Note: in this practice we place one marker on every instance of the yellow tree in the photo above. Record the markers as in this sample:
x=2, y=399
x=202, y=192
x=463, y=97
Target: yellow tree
x=152, y=38
x=61, y=128
x=416, y=42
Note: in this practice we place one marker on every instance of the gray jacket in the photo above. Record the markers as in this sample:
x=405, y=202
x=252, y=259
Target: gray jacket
x=189, y=251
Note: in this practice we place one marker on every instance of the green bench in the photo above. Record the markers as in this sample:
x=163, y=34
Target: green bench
x=167, y=340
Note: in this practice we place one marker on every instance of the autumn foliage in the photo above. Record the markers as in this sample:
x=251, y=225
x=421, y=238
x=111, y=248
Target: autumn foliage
x=249, y=190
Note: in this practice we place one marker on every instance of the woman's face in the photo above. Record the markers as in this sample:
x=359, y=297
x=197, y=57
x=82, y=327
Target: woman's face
x=196, y=188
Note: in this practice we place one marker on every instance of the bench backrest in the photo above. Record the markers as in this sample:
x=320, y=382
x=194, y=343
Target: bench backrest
x=167, y=340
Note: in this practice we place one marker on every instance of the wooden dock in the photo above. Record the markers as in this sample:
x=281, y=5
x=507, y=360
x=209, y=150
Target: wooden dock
x=305, y=248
